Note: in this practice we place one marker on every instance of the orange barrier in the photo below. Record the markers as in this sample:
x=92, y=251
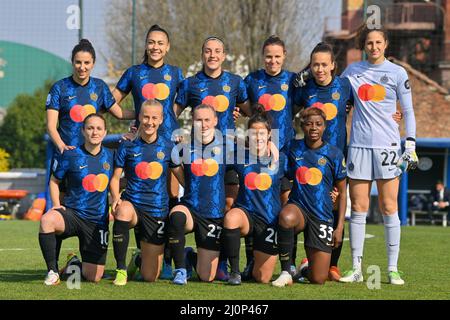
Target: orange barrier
x=13, y=194
x=36, y=211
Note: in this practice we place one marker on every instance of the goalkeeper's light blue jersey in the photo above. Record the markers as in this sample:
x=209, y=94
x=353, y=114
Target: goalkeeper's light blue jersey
x=376, y=89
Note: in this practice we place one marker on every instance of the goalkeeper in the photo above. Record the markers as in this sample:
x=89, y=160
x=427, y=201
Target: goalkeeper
x=375, y=149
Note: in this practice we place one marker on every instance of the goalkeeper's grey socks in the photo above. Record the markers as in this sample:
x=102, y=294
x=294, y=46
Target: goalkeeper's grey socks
x=357, y=236
x=392, y=231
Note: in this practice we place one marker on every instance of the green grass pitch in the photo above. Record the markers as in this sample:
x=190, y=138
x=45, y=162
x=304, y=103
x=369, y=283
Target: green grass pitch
x=424, y=259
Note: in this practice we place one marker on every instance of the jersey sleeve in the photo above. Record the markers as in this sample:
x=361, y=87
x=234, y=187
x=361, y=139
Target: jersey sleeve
x=298, y=97
x=290, y=165
x=182, y=94
x=242, y=92
x=60, y=166
x=108, y=98
x=348, y=90
x=340, y=167
x=120, y=156
x=53, y=98
x=124, y=83
x=180, y=76
x=405, y=98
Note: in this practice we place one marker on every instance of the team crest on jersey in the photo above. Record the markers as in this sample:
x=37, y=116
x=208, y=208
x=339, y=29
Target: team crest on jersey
x=106, y=166
x=226, y=88
x=322, y=161
x=216, y=151
x=384, y=79
x=167, y=77
x=160, y=155
x=284, y=87
x=336, y=95
x=94, y=96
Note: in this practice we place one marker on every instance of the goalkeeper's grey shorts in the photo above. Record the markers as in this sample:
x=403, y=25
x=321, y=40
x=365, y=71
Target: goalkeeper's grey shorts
x=373, y=164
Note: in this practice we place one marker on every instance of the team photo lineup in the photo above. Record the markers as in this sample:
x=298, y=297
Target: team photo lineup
x=268, y=187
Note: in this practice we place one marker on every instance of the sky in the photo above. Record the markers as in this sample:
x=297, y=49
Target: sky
x=43, y=24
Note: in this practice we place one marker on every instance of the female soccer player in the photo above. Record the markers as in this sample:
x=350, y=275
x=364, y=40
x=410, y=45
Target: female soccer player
x=202, y=207
x=375, y=150
x=84, y=212
x=224, y=91
x=256, y=210
x=144, y=203
x=72, y=99
x=317, y=167
x=154, y=79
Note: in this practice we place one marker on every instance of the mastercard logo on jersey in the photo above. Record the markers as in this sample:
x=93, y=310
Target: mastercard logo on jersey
x=92, y=182
x=201, y=167
x=145, y=170
x=259, y=181
x=275, y=102
x=220, y=102
x=375, y=93
x=329, y=108
x=158, y=91
x=311, y=176
x=78, y=112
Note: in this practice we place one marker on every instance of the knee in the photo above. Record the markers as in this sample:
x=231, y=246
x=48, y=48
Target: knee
x=48, y=222
x=149, y=277
x=92, y=277
x=388, y=207
x=231, y=220
x=262, y=278
x=287, y=219
x=317, y=279
x=206, y=277
x=177, y=221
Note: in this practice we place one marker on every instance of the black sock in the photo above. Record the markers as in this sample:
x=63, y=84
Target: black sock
x=167, y=254
x=249, y=248
x=47, y=242
x=58, y=249
x=177, y=239
x=285, y=239
x=294, y=250
x=121, y=238
x=137, y=237
x=336, y=253
x=231, y=239
x=192, y=257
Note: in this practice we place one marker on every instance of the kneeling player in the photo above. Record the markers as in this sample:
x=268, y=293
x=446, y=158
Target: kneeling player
x=258, y=204
x=317, y=167
x=144, y=203
x=203, y=204
x=87, y=170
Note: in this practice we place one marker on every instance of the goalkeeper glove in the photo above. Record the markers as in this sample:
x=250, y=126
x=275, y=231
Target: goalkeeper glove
x=302, y=77
x=409, y=160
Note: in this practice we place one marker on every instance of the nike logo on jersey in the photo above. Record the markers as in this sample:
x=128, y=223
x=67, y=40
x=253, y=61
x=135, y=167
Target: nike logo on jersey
x=204, y=89
x=142, y=77
x=72, y=97
x=329, y=244
x=297, y=159
x=82, y=167
x=137, y=154
x=261, y=87
x=246, y=165
x=359, y=76
x=310, y=97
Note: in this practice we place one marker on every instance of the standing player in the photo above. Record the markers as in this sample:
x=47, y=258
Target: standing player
x=375, y=148
x=154, y=79
x=84, y=213
x=317, y=167
x=72, y=99
x=256, y=210
x=222, y=90
x=272, y=87
x=144, y=203
x=332, y=94
x=202, y=207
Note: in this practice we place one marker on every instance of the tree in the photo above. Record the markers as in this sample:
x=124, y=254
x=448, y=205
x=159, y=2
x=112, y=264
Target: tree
x=23, y=130
x=243, y=25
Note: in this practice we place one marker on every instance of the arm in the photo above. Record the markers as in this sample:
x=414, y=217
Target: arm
x=54, y=192
x=177, y=109
x=52, y=121
x=179, y=174
x=120, y=113
x=342, y=207
x=114, y=188
x=245, y=107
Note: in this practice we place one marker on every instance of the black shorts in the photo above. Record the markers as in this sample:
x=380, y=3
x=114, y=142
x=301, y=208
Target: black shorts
x=286, y=184
x=231, y=177
x=151, y=229
x=93, y=237
x=207, y=232
x=262, y=234
x=318, y=234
